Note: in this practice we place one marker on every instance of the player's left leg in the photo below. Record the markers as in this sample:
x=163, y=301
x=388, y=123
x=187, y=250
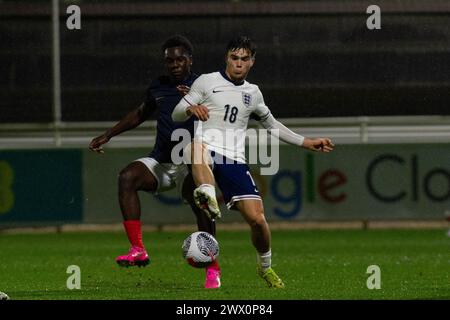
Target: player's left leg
x=213, y=273
x=240, y=192
x=253, y=212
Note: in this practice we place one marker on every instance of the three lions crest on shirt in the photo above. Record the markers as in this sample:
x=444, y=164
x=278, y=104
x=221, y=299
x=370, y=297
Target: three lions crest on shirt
x=246, y=99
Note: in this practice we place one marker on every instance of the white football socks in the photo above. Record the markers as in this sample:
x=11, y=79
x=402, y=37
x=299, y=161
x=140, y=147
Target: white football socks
x=264, y=260
x=208, y=189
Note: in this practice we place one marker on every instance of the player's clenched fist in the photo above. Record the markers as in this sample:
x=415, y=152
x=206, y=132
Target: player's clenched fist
x=200, y=111
x=318, y=144
x=96, y=143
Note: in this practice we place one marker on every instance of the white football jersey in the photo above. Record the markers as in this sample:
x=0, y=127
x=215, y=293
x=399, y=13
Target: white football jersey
x=230, y=106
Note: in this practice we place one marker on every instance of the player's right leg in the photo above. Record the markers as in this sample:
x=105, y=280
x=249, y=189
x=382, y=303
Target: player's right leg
x=135, y=177
x=205, y=193
x=203, y=222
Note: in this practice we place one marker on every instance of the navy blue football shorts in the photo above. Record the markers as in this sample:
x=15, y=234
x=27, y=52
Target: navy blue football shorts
x=234, y=180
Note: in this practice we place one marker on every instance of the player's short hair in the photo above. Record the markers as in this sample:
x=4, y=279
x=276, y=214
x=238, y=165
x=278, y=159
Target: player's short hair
x=178, y=41
x=242, y=42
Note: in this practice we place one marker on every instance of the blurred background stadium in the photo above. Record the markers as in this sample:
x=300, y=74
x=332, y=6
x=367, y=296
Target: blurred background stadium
x=381, y=95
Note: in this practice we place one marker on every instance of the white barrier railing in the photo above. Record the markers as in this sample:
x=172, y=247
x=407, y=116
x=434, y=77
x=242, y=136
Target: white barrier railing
x=343, y=130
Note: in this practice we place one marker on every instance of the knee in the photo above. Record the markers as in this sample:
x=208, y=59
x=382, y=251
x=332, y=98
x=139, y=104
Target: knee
x=258, y=221
x=128, y=179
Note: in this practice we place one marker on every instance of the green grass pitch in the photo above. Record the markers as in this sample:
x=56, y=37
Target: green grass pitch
x=314, y=264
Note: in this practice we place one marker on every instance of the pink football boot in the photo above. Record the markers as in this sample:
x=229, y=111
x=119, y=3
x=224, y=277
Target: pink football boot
x=212, y=277
x=136, y=257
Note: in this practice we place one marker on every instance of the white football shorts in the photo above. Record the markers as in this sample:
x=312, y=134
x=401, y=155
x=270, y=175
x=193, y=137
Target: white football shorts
x=168, y=175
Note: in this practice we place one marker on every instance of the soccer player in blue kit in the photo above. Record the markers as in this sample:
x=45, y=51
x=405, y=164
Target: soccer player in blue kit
x=224, y=101
x=157, y=172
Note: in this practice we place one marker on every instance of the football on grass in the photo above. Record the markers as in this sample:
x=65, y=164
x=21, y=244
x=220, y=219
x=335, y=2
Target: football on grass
x=200, y=249
x=3, y=296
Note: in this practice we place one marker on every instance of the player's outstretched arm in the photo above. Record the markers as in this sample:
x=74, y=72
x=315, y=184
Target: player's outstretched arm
x=318, y=144
x=130, y=121
x=286, y=135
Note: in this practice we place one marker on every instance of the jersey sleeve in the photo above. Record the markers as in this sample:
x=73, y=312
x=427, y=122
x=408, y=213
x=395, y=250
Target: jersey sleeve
x=196, y=95
x=276, y=128
x=261, y=111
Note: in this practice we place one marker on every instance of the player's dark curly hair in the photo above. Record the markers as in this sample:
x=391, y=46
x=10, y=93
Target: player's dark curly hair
x=242, y=42
x=178, y=41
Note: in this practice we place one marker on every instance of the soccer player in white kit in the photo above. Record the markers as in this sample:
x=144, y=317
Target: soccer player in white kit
x=224, y=102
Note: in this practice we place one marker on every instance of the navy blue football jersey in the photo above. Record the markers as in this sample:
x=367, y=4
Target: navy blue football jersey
x=163, y=96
